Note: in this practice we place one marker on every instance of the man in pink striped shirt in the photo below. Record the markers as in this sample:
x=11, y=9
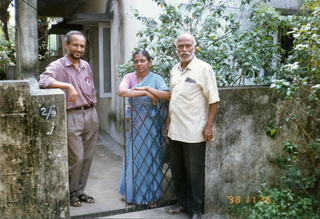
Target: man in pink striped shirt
x=74, y=77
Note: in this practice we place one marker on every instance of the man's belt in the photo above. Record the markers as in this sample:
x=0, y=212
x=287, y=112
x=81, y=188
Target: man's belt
x=80, y=108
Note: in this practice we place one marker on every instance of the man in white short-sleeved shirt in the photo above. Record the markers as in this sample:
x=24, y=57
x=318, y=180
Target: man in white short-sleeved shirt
x=193, y=108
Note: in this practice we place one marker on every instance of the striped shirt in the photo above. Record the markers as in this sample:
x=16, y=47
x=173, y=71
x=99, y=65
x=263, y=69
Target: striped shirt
x=192, y=90
x=62, y=70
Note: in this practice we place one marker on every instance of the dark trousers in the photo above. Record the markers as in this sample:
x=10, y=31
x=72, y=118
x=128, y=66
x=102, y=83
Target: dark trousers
x=188, y=165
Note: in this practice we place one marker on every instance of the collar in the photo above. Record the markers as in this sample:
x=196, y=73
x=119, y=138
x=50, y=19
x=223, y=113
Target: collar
x=69, y=63
x=191, y=64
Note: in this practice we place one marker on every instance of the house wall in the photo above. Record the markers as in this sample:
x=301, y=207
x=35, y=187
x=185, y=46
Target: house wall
x=123, y=29
x=287, y=4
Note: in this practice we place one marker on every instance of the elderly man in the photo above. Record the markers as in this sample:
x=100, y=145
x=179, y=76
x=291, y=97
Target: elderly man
x=73, y=75
x=193, y=108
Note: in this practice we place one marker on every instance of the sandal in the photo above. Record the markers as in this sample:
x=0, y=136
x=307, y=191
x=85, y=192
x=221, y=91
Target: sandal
x=75, y=201
x=85, y=198
x=175, y=209
x=154, y=204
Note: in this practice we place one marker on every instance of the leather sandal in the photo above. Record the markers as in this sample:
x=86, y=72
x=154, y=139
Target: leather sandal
x=176, y=209
x=75, y=201
x=85, y=198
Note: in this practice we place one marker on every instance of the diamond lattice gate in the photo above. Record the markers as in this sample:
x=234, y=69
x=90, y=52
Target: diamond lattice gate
x=146, y=180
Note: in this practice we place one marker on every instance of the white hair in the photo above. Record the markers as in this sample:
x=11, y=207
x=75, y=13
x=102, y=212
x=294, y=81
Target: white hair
x=187, y=34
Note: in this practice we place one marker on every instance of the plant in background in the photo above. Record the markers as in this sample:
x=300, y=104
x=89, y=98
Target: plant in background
x=221, y=41
x=283, y=204
x=299, y=89
x=272, y=130
x=44, y=40
x=7, y=52
x=295, y=198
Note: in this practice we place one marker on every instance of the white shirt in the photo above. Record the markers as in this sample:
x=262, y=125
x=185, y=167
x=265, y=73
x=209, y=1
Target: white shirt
x=192, y=90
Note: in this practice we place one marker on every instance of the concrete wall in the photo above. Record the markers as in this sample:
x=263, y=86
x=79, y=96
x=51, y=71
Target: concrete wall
x=242, y=158
x=33, y=148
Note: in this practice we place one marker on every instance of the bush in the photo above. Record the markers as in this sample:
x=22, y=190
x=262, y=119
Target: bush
x=283, y=204
x=7, y=54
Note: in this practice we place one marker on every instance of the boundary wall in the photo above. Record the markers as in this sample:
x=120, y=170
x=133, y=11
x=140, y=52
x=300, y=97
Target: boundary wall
x=33, y=151
x=242, y=158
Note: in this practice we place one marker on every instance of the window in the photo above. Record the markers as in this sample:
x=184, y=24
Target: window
x=286, y=43
x=105, y=85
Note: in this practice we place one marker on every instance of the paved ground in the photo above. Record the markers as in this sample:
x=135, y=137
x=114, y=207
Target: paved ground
x=104, y=179
x=103, y=185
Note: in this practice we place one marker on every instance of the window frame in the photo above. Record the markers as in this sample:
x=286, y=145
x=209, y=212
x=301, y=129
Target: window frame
x=102, y=92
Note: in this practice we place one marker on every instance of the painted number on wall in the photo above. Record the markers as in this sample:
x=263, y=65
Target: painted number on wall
x=48, y=112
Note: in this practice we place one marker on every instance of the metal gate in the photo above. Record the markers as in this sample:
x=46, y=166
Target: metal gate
x=146, y=176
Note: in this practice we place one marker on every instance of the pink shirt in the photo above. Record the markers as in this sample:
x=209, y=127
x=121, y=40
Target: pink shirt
x=129, y=80
x=62, y=70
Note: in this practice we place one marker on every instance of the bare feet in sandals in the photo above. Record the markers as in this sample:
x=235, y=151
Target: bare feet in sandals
x=85, y=198
x=154, y=204
x=176, y=209
x=75, y=201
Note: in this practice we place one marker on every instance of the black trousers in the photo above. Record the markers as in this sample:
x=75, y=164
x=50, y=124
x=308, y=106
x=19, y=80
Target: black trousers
x=187, y=162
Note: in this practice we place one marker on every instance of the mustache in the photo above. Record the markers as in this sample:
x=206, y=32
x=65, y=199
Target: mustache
x=184, y=53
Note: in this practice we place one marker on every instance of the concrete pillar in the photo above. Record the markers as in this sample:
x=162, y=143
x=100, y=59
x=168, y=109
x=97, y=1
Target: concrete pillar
x=33, y=148
x=26, y=37
x=16, y=178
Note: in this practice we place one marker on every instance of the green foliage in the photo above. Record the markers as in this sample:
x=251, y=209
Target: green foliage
x=302, y=180
x=298, y=87
x=299, y=90
x=283, y=204
x=239, y=211
x=272, y=130
x=297, y=84
x=7, y=52
x=296, y=197
x=221, y=42
x=309, y=4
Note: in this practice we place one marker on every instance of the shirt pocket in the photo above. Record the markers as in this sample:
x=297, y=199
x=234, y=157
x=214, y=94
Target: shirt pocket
x=86, y=86
x=189, y=90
